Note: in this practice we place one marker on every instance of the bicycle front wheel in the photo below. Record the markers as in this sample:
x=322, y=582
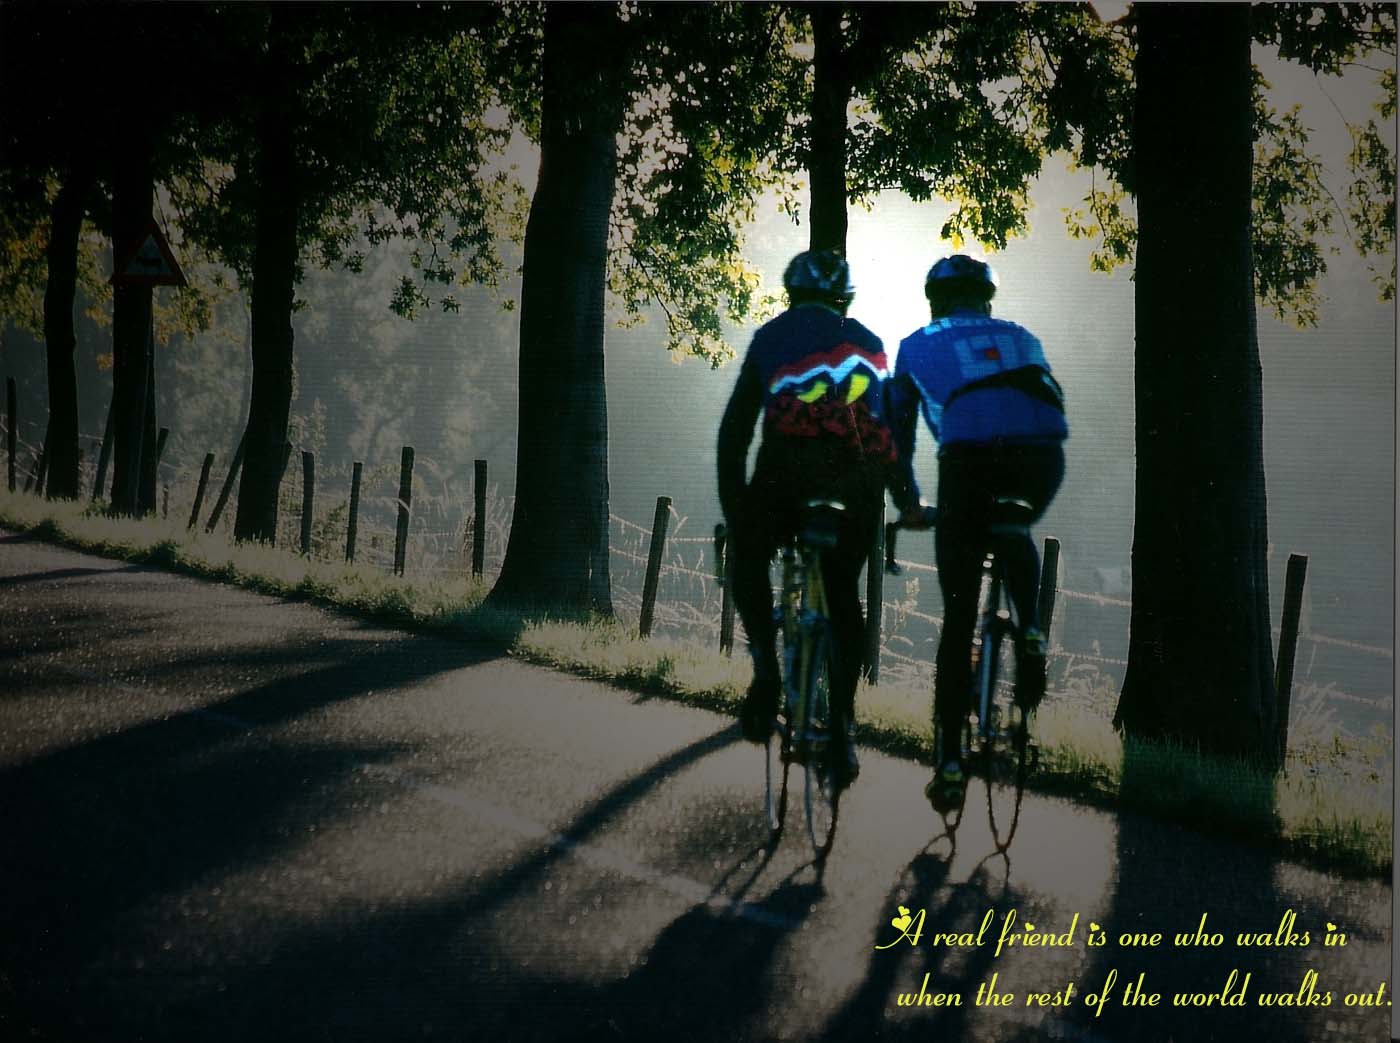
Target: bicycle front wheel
x=1003, y=734
x=775, y=777
x=993, y=699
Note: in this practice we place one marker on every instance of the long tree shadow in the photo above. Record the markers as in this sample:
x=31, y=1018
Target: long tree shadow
x=80, y=628
x=504, y=885
x=99, y=867
x=100, y=830
x=56, y=575
x=423, y=967
x=110, y=829
x=417, y=972
x=1169, y=877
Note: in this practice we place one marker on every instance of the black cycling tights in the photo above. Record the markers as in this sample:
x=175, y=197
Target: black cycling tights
x=969, y=480
x=766, y=524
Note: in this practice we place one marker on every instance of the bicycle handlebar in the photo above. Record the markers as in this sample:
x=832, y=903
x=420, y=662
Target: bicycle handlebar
x=928, y=520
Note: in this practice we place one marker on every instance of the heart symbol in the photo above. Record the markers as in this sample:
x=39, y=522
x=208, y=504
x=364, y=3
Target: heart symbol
x=1030, y=927
x=1331, y=926
x=1094, y=927
x=903, y=920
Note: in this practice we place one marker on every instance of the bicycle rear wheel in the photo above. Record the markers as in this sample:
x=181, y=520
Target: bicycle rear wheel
x=1002, y=732
x=816, y=750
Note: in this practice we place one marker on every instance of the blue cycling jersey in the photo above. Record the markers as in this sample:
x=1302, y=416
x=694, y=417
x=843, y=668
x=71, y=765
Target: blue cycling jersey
x=934, y=366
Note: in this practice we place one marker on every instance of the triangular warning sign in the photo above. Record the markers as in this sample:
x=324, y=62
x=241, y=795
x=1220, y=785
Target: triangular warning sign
x=151, y=264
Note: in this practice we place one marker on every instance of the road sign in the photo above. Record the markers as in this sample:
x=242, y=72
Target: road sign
x=151, y=264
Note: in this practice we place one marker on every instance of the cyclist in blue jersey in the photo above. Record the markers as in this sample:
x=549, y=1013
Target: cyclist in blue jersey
x=817, y=379
x=985, y=389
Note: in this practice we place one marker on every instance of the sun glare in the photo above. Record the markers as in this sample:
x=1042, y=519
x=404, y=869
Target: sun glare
x=889, y=269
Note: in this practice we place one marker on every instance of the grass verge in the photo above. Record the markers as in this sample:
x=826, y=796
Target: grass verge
x=1331, y=808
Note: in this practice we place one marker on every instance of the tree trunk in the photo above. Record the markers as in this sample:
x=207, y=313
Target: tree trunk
x=826, y=165
x=132, y=194
x=274, y=286
x=557, y=554
x=59, y=336
x=1200, y=653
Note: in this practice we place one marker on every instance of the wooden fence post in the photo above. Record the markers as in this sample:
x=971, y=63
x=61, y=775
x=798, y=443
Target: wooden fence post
x=353, y=525
x=229, y=479
x=479, y=524
x=659, y=524
x=724, y=570
x=11, y=428
x=200, y=490
x=1288, y=645
x=104, y=456
x=405, y=502
x=43, y=469
x=308, y=498
x=875, y=601
x=40, y=469
x=161, y=436
x=281, y=477
x=1049, y=584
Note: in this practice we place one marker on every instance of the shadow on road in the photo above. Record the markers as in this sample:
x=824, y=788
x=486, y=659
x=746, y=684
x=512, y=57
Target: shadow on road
x=190, y=801
x=1167, y=877
x=416, y=969
x=102, y=831
x=109, y=837
x=873, y=1010
x=57, y=575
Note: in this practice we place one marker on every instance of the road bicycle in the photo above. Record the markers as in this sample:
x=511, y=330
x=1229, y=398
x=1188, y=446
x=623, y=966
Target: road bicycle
x=998, y=746
x=803, y=735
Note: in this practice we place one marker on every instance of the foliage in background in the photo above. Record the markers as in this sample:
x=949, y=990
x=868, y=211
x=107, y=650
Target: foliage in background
x=393, y=137
x=705, y=89
x=53, y=121
x=1299, y=204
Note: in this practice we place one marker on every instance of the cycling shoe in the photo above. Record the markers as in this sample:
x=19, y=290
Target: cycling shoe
x=845, y=764
x=759, y=711
x=948, y=788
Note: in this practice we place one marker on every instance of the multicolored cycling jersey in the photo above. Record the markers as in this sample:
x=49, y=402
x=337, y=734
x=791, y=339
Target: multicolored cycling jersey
x=816, y=377
x=950, y=370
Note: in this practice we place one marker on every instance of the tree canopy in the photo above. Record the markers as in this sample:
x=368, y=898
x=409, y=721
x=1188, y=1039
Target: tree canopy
x=1299, y=206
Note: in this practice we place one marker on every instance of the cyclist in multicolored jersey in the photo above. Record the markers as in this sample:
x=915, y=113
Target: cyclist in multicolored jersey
x=817, y=378
x=985, y=389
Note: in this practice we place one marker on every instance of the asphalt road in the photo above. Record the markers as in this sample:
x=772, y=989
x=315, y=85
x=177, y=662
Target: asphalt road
x=230, y=817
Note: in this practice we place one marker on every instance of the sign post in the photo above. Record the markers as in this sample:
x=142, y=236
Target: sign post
x=152, y=263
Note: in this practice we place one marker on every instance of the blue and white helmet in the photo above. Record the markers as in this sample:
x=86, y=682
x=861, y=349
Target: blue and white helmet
x=961, y=274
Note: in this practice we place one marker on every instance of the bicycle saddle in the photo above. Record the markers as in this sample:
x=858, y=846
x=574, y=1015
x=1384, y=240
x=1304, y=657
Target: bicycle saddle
x=1010, y=516
x=820, y=521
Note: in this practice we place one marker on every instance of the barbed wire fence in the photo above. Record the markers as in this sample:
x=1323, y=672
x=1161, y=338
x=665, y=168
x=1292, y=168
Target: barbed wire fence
x=433, y=535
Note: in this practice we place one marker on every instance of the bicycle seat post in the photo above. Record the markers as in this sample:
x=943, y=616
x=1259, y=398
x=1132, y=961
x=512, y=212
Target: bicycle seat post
x=820, y=522
x=1010, y=517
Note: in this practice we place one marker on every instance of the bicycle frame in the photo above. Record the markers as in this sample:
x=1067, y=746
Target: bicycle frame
x=804, y=603
x=804, y=737
x=996, y=622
